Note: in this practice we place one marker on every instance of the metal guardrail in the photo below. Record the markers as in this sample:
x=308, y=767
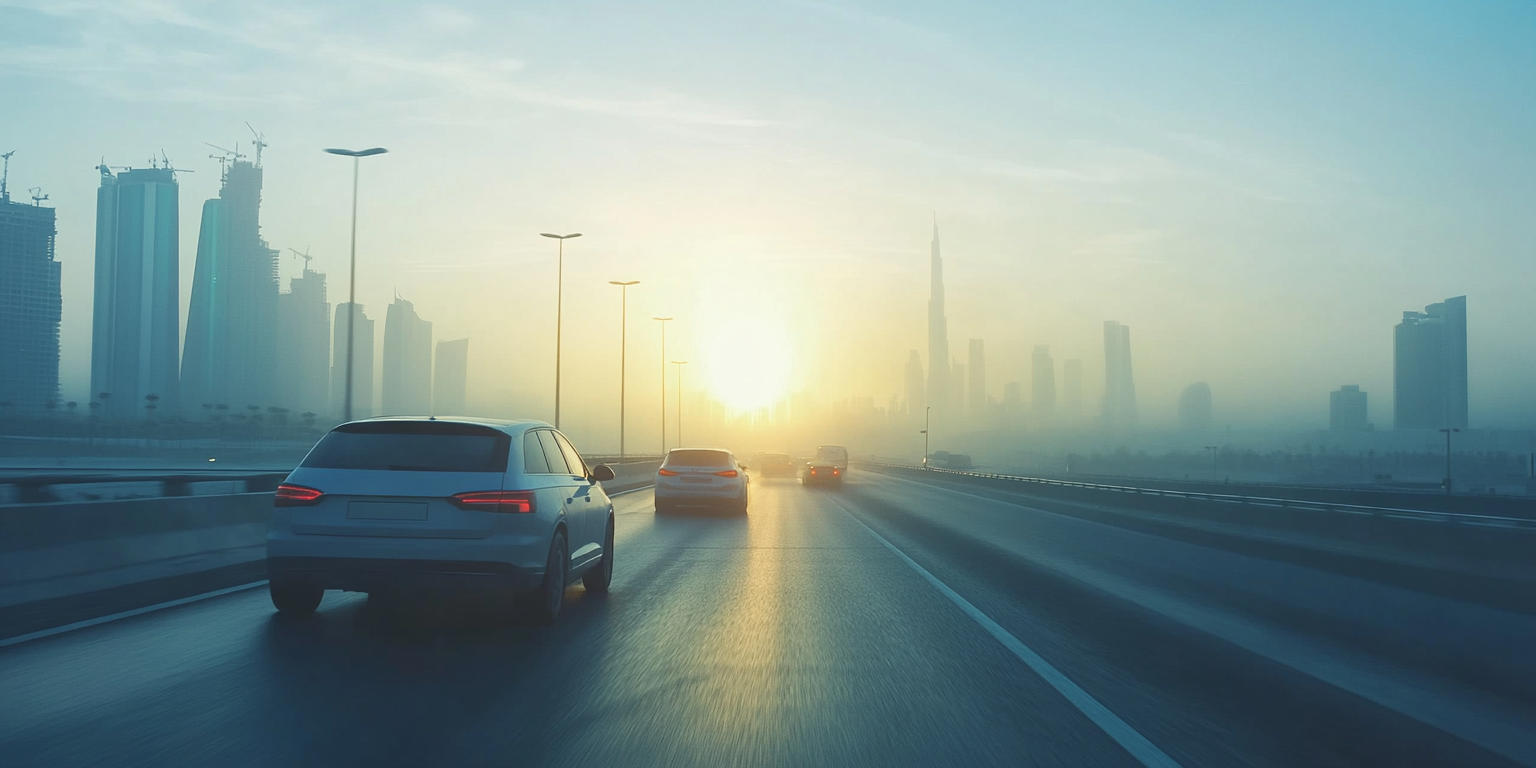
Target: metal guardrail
x=1491, y=521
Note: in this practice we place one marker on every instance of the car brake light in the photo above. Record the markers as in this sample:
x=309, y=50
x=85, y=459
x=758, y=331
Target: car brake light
x=666, y=472
x=727, y=473
x=815, y=471
x=837, y=471
x=295, y=496
x=514, y=502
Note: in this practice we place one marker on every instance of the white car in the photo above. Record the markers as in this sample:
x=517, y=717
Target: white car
x=702, y=477
x=507, y=508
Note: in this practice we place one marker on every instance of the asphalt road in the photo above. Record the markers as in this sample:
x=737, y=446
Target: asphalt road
x=895, y=622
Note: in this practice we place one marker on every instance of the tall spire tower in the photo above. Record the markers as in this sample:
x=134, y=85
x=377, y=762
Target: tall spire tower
x=938, y=331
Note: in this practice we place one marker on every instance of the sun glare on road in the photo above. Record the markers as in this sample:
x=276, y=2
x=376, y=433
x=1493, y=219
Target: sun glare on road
x=749, y=365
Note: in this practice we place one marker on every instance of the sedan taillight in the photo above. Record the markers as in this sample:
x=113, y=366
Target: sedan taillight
x=664, y=472
x=513, y=502
x=727, y=473
x=296, y=496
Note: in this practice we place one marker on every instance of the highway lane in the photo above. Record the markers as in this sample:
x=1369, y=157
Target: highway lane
x=796, y=637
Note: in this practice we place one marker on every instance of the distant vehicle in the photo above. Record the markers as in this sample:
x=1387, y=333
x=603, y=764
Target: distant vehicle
x=505, y=508
x=701, y=477
x=776, y=465
x=827, y=467
x=947, y=460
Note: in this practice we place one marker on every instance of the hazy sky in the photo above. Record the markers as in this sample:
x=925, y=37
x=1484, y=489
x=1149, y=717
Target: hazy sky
x=1259, y=192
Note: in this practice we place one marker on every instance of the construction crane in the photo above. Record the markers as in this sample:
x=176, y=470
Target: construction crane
x=260, y=141
x=305, y=256
x=5, y=178
x=165, y=162
x=106, y=170
x=37, y=196
x=232, y=154
x=226, y=157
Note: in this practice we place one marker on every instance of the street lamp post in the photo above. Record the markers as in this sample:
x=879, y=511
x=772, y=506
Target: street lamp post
x=664, y=321
x=927, y=419
x=623, y=349
x=1448, y=432
x=357, y=155
x=559, y=305
x=679, y=364
x=1213, y=450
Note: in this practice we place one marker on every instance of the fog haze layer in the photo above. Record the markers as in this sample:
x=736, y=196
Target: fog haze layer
x=1258, y=193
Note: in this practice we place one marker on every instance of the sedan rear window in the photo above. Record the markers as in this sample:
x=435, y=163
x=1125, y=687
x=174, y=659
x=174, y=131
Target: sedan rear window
x=412, y=446
x=693, y=458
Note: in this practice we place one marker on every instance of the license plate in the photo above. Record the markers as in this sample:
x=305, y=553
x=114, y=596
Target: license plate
x=386, y=510
x=695, y=479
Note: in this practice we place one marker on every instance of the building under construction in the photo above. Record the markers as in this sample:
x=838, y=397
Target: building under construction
x=229, y=356
x=29, y=306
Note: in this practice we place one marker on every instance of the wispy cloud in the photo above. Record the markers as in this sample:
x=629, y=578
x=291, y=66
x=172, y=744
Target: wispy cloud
x=294, y=55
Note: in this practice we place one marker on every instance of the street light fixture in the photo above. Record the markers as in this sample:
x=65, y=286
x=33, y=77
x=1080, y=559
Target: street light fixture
x=357, y=155
x=559, y=305
x=623, y=349
x=664, y=321
x=1447, y=482
x=679, y=364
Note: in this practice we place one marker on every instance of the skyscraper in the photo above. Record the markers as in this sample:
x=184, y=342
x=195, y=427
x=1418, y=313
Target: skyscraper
x=957, y=388
x=1119, y=386
x=977, y=399
x=29, y=306
x=1043, y=379
x=407, y=361
x=1072, y=389
x=916, y=396
x=938, y=332
x=362, y=363
x=1195, y=412
x=1347, y=410
x=1429, y=382
x=304, y=344
x=136, y=317
x=230, y=354
x=450, y=378
x=1013, y=404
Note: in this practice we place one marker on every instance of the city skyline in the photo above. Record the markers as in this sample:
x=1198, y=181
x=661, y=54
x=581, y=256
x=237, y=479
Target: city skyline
x=316, y=387
x=1146, y=187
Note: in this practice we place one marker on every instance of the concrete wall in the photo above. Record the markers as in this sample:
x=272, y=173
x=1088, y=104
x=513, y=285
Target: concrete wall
x=55, y=550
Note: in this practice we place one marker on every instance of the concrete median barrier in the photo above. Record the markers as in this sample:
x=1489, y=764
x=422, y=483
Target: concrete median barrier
x=49, y=551
x=65, y=552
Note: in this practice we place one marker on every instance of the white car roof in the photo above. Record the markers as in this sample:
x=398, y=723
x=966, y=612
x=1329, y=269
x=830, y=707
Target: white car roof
x=510, y=426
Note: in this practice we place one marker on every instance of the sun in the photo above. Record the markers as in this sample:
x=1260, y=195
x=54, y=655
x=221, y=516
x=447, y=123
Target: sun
x=749, y=365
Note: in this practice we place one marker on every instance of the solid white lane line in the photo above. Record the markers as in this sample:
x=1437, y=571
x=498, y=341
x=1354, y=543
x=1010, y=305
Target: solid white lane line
x=19, y=639
x=1123, y=734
